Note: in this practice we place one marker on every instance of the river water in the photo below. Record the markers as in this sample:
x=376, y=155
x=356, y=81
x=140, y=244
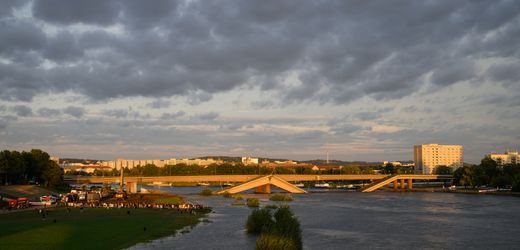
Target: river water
x=352, y=220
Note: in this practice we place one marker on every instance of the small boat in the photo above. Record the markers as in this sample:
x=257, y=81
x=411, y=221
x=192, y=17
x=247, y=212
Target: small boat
x=227, y=184
x=205, y=184
x=159, y=184
x=322, y=185
x=300, y=185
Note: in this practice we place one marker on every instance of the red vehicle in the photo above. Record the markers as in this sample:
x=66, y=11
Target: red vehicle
x=20, y=203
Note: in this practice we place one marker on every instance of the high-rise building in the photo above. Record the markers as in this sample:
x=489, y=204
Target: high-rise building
x=429, y=156
x=510, y=157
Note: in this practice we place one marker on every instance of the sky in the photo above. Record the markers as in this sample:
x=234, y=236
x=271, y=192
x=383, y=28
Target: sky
x=364, y=80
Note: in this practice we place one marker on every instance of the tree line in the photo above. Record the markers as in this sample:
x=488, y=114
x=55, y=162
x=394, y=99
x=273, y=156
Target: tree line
x=224, y=169
x=489, y=173
x=33, y=167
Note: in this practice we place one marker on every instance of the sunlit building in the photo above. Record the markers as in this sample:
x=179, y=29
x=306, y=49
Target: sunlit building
x=429, y=156
x=124, y=163
x=510, y=157
x=249, y=160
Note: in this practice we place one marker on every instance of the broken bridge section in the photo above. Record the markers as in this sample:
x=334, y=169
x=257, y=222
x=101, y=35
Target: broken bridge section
x=263, y=185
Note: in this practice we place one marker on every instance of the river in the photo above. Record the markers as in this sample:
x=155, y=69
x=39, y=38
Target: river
x=352, y=220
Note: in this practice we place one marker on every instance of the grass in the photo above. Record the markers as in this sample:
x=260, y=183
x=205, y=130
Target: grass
x=169, y=200
x=227, y=195
x=91, y=229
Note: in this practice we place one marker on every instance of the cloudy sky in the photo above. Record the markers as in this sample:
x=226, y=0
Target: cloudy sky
x=158, y=79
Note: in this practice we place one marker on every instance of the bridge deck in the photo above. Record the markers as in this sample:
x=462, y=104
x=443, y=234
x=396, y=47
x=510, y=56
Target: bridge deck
x=217, y=178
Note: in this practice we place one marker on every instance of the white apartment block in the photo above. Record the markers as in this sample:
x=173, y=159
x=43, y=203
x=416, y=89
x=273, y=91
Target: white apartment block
x=510, y=157
x=249, y=160
x=429, y=156
x=117, y=164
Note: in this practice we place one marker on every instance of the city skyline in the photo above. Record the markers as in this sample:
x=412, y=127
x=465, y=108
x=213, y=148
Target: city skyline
x=285, y=79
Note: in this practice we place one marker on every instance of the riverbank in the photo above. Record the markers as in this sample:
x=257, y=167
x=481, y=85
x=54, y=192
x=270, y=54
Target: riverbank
x=91, y=228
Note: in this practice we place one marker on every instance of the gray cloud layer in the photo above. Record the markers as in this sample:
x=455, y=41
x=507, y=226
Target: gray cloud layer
x=340, y=50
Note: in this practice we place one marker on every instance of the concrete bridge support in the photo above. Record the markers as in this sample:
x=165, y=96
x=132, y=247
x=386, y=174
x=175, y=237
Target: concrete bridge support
x=131, y=187
x=264, y=189
x=410, y=184
x=395, y=185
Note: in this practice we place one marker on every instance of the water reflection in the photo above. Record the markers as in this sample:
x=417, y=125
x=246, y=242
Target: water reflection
x=340, y=220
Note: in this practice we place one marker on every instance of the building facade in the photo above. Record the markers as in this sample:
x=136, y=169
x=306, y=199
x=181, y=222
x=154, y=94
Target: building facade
x=249, y=160
x=510, y=157
x=124, y=163
x=429, y=156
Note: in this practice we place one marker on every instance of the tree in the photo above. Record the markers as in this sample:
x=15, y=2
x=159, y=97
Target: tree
x=445, y=170
x=19, y=168
x=389, y=168
x=488, y=170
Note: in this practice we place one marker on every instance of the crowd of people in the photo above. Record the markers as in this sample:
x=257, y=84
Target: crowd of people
x=187, y=207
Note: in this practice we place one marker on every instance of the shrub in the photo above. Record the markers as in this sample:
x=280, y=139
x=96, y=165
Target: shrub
x=515, y=187
x=281, y=197
x=288, y=225
x=280, y=231
x=252, y=202
x=227, y=195
x=238, y=197
x=258, y=220
x=206, y=192
x=271, y=206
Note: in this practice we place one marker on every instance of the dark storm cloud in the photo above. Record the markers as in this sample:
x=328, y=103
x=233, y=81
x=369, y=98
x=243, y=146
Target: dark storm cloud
x=9, y=5
x=505, y=72
x=66, y=12
x=77, y=112
x=339, y=50
x=21, y=110
x=62, y=47
x=19, y=35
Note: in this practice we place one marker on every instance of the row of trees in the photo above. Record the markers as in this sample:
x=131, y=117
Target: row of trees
x=489, y=173
x=226, y=168
x=24, y=167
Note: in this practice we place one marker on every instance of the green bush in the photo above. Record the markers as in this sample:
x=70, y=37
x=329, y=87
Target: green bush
x=252, y=202
x=238, y=197
x=206, y=192
x=281, y=197
x=227, y=195
x=287, y=225
x=278, y=231
x=515, y=187
x=258, y=220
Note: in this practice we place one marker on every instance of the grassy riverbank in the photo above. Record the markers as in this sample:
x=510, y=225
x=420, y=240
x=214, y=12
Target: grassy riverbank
x=89, y=229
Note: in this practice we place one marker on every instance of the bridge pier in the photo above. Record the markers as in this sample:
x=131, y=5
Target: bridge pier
x=131, y=187
x=402, y=183
x=395, y=185
x=264, y=189
x=410, y=184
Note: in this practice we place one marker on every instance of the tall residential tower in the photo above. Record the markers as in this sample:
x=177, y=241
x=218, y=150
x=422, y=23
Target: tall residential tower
x=429, y=156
